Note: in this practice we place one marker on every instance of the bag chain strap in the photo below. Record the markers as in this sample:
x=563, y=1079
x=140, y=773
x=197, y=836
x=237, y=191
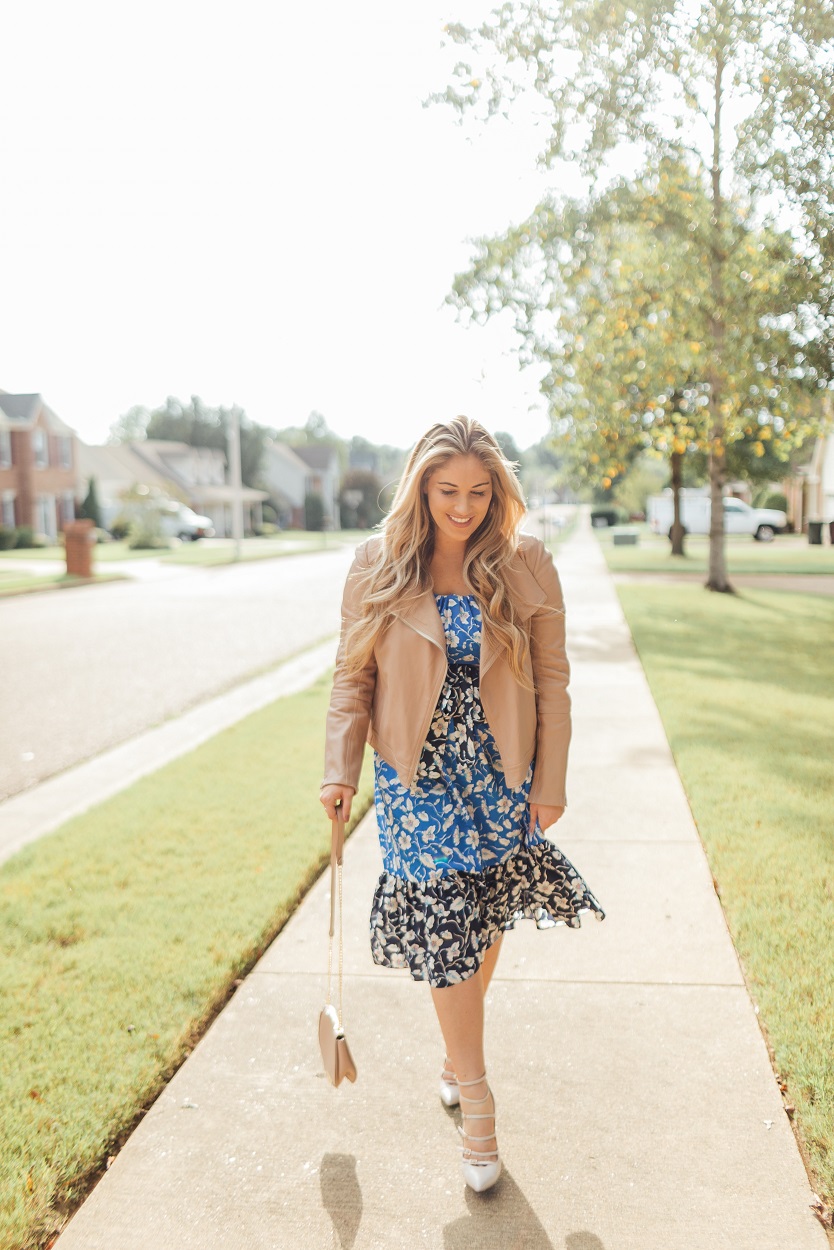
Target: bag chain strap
x=335, y=871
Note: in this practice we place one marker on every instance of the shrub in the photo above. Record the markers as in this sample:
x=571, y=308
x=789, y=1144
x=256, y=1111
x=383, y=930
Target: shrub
x=26, y=537
x=119, y=528
x=145, y=533
x=91, y=507
x=776, y=500
x=607, y=516
x=313, y=511
x=8, y=537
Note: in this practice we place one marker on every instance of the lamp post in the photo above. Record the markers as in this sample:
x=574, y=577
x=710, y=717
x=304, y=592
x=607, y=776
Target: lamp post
x=233, y=445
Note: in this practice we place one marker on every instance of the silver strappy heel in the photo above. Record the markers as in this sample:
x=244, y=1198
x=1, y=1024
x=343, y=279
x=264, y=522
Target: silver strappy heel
x=480, y=1168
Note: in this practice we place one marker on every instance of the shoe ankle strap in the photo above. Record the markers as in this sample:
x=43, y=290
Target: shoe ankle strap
x=480, y=1081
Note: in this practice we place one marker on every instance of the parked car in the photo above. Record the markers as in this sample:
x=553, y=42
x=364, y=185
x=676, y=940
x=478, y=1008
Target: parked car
x=739, y=518
x=180, y=521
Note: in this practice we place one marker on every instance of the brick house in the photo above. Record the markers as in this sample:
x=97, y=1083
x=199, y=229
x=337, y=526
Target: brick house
x=38, y=476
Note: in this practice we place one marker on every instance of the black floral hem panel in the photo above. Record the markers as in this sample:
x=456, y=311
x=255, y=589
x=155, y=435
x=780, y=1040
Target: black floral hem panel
x=440, y=929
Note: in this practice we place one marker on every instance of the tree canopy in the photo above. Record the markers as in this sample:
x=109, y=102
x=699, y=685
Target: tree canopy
x=198, y=425
x=658, y=79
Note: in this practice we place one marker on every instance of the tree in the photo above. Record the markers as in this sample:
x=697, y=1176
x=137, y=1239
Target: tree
x=509, y=446
x=131, y=426
x=789, y=150
x=657, y=74
x=315, y=432
x=359, y=500
x=613, y=294
x=198, y=425
x=313, y=511
x=91, y=507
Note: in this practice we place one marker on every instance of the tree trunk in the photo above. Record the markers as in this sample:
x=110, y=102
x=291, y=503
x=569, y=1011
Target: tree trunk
x=717, y=576
x=677, y=525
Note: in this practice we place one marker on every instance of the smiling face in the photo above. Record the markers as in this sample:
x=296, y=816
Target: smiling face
x=458, y=495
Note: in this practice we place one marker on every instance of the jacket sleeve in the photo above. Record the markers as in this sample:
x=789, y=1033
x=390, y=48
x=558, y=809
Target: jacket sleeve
x=551, y=673
x=349, y=714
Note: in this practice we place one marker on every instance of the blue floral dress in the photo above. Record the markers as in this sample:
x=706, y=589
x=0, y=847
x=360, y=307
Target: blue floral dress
x=459, y=866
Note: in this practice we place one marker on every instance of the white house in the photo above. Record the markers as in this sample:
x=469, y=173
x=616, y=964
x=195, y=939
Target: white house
x=821, y=481
x=324, y=474
x=194, y=475
x=285, y=475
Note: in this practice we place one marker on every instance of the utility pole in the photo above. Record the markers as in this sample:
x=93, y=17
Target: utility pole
x=233, y=444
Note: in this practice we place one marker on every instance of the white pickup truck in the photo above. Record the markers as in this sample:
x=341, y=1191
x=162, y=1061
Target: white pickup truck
x=739, y=518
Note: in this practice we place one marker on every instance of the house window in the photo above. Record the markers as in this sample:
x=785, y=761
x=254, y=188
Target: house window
x=5, y=449
x=8, y=508
x=67, y=507
x=65, y=451
x=45, y=515
x=40, y=449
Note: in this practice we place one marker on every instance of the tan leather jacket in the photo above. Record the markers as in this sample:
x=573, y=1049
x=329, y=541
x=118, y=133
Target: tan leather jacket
x=391, y=702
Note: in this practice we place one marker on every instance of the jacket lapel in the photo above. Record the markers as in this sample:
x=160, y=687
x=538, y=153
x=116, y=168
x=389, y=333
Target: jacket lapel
x=526, y=594
x=421, y=615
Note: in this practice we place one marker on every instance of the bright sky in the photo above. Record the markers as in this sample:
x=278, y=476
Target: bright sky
x=250, y=204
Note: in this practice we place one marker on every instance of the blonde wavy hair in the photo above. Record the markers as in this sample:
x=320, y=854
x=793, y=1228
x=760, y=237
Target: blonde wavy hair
x=400, y=572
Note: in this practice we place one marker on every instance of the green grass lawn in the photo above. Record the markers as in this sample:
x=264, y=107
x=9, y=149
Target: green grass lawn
x=208, y=551
x=101, y=552
x=13, y=583
x=213, y=552
x=121, y=936
x=788, y=553
x=745, y=686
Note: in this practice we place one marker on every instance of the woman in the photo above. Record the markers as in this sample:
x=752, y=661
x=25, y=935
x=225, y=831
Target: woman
x=452, y=665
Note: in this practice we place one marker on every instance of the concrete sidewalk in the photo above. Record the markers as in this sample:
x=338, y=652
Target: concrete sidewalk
x=637, y=1109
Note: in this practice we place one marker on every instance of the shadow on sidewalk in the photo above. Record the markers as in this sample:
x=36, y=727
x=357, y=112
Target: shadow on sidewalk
x=503, y=1217
x=341, y=1196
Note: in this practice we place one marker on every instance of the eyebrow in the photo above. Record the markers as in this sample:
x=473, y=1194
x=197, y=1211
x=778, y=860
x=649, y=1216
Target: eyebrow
x=455, y=484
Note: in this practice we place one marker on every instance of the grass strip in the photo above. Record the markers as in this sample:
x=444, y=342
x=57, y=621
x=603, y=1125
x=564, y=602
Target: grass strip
x=744, y=685
x=206, y=551
x=210, y=554
x=121, y=936
x=26, y=583
x=788, y=553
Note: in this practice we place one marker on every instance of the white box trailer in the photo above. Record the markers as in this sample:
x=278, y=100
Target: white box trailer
x=696, y=510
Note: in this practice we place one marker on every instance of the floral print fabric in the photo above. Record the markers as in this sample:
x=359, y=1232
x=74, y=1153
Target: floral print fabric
x=459, y=864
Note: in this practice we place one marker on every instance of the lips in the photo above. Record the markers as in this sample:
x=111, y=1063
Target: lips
x=461, y=525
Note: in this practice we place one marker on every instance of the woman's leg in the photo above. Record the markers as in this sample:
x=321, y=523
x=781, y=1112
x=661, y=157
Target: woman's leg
x=486, y=970
x=490, y=960
x=460, y=1012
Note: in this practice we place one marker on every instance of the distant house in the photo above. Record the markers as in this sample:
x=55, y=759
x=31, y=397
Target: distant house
x=324, y=474
x=194, y=475
x=119, y=471
x=285, y=475
x=200, y=473
x=38, y=466
x=810, y=492
x=821, y=480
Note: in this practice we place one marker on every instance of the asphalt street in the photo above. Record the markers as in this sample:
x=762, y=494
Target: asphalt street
x=87, y=668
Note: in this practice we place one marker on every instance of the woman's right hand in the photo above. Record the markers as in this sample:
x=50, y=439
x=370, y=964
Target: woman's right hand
x=331, y=796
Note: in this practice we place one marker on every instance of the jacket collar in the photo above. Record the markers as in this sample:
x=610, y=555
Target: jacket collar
x=423, y=617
